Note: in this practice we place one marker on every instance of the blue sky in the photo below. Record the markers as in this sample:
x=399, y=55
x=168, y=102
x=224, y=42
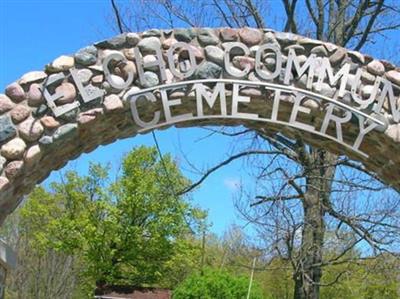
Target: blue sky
x=33, y=33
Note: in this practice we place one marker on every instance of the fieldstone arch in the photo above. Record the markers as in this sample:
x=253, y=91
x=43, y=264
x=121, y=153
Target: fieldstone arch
x=340, y=100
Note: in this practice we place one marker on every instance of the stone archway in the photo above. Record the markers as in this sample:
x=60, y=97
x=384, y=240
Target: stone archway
x=133, y=83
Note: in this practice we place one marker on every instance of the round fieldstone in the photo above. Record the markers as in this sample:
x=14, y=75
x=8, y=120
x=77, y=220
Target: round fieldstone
x=149, y=45
x=30, y=129
x=8, y=129
x=97, y=80
x=167, y=43
x=150, y=79
x=229, y=34
x=196, y=51
x=338, y=56
x=68, y=92
x=14, y=149
x=376, y=67
x=86, y=56
x=214, y=54
x=112, y=103
x=206, y=36
x=132, y=39
x=5, y=104
x=393, y=76
x=65, y=132
x=152, y=32
x=208, y=70
x=35, y=97
x=356, y=56
x=62, y=63
x=32, y=155
x=115, y=42
x=84, y=75
x=393, y=131
x=319, y=51
x=15, y=92
x=184, y=35
x=31, y=77
x=13, y=169
x=19, y=113
x=250, y=36
x=49, y=122
x=242, y=62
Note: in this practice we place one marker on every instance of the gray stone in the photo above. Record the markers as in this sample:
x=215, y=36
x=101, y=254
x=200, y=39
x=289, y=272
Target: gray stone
x=149, y=45
x=31, y=77
x=297, y=48
x=46, y=141
x=115, y=42
x=132, y=39
x=184, y=35
x=86, y=56
x=319, y=51
x=326, y=89
x=393, y=131
x=214, y=54
x=8, y=130
x=208, y=70
x=289, y=38
x=64, y=132
x=152, y=32
x=5, y=104
x=338, y=56
x=15, y=92
x=14, y=149
x=356, y=56
x=206, y=36
x=150, y=79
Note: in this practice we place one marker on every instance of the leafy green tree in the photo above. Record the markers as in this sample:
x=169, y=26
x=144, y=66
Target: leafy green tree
x=128, y=231
x=216, y=284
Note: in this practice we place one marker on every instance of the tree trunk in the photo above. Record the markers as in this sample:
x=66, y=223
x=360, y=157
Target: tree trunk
x=320, y=173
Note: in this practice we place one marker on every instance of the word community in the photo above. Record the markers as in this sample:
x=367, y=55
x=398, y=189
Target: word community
x=281, y=82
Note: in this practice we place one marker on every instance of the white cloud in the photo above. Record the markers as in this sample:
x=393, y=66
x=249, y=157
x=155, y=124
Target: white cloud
x=232, y=184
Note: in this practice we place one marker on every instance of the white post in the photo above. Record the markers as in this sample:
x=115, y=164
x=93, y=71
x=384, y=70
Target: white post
x=251, y=278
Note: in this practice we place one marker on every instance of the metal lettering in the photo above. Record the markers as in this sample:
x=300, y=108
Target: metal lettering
x=227, y=60
x=201, y=93
x=192, y=59
x=293, y=60
x=236, y=99
x=52, y=98
x=118, y=57
x=278, y=62
x=338, y=121
x=394, y=104
x=88, y=93
x=167, y=103
x=363, y=131
x=149, y=96
x=298, y=97
x=140, y=65
x=326, y=69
